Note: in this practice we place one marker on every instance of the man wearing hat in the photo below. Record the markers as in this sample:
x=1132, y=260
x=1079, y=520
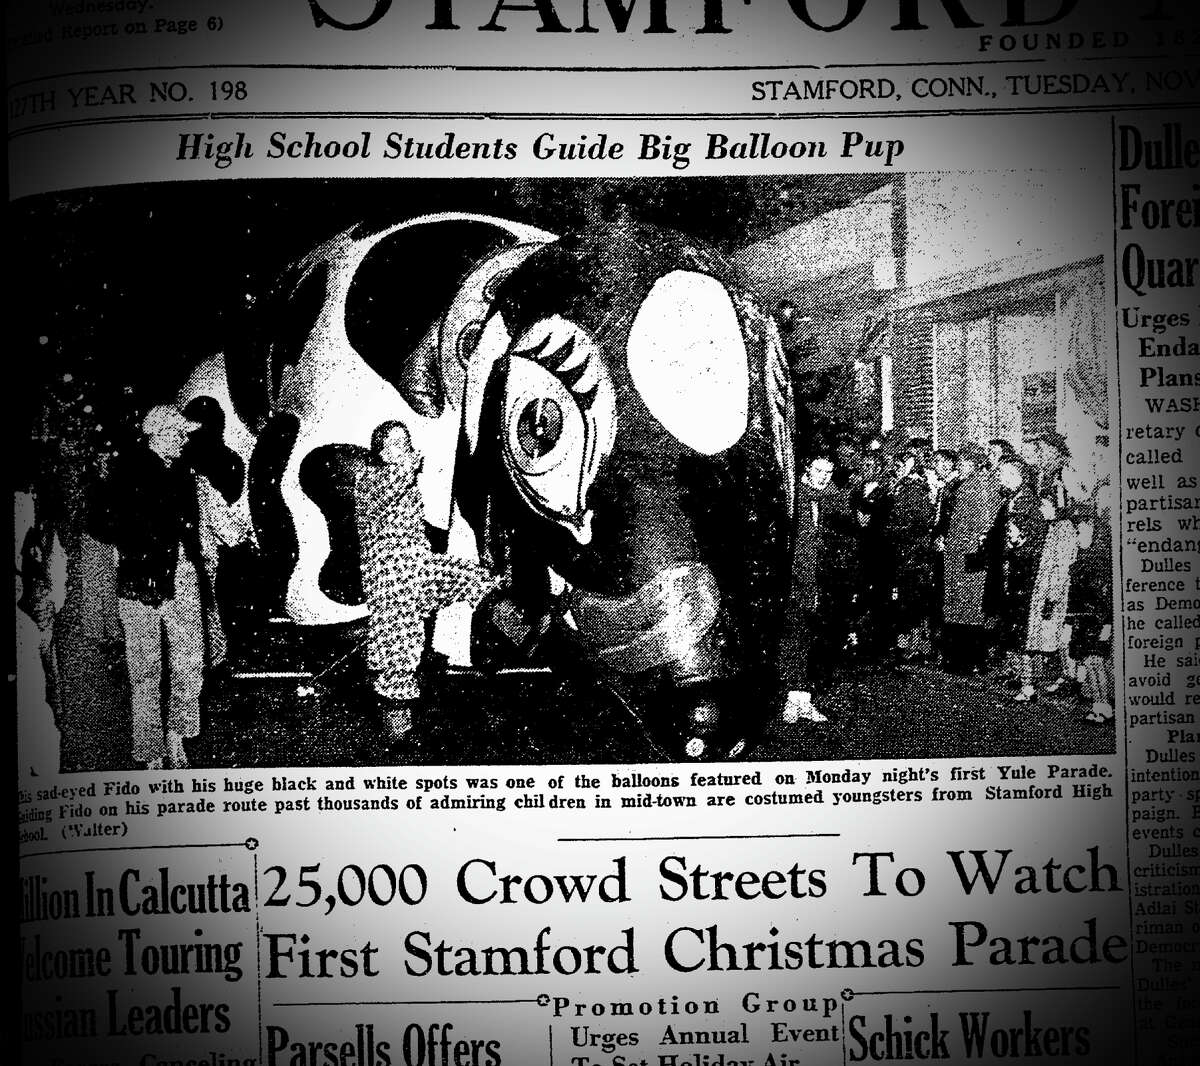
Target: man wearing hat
x=151, y=519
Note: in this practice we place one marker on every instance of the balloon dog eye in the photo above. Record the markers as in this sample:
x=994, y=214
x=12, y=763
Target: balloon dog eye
x=559, y=421
x=539, y=428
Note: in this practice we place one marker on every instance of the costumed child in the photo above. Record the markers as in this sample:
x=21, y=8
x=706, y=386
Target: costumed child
x=404, y=580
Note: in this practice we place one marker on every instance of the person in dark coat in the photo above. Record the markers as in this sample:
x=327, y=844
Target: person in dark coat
x=910, y=528
x=1090, y=609
x=1014, y=548
x=966, y=527
x=871, y=501
x=802, y=618
x=838, y=576
x=150, y=515
x=944, y=485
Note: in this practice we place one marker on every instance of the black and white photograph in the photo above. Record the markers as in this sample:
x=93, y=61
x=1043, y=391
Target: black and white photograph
x=561, y=471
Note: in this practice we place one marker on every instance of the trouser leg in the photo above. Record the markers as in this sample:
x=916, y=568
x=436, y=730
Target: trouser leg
x=823, y=649
x=957, y=650
x=1028, y=668
x=1066, y=665
x=981, y=646
x=143, y=659
x=397, y=678
x=1097, y=680
x=216, y=645
x=794, y=647
x=183, y=621
x=214, y=627
x=937, y=613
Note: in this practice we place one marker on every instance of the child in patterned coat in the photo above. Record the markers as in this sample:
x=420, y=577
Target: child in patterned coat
x=404, y=580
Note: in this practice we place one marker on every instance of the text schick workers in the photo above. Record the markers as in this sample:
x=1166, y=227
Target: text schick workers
x=717, y=16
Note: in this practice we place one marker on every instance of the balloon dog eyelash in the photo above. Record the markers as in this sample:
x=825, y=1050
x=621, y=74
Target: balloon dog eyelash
x=562, y=362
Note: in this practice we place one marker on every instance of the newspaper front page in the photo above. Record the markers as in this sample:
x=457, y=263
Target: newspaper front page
x=610, y=533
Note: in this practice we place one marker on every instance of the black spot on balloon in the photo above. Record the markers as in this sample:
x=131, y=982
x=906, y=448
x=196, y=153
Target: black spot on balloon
x=271, y=517
x=280, y=326
x=405, y=284
x=327, y=478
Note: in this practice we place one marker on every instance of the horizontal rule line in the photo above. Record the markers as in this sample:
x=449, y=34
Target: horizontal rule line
x=950, y=63
x=578, y=116
x=468, y=68
x=407, y=1003
x=130, y=847
x=731, y=836
x=987, y=991
x=1126, y=59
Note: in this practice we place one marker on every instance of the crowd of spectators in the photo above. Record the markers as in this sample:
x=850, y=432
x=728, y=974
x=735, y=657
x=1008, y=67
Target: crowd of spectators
x=984, y=561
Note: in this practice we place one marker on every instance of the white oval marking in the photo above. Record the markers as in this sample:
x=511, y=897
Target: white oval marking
x=688, y=359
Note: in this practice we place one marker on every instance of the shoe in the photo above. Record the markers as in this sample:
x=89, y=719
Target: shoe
x=1100, y=714
x=1065, y=685
x=176, y=757
x=398, y=720
x=695, y=748
x=1027, y=694
x=153, y=764
x=799, y=707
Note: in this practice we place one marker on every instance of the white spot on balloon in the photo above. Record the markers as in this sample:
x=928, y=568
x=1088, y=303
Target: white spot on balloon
x=688, y=359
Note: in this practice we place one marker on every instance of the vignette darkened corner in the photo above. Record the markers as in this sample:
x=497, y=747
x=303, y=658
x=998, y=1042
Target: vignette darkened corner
x=547, y=471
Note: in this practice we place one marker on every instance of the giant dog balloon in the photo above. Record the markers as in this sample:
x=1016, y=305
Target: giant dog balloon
x=625, y=442
x=629, y=445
